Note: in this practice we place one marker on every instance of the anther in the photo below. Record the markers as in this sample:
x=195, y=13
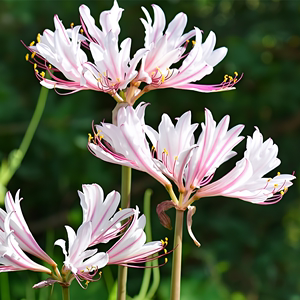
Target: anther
x=275, y=185
x=32, y=43
x=35, y=66
x=282, y=193
x=269, y=179
x=187, y=41
x=90, y=137
x=72, y=25
x=152, y=148
x=278, y=173
x=176, y=158
x=236, y=74
x=38, y=37
x=120, y=209
x=81, y=31
x=194, y=43
x=163, y=77
x=33, y=54
x=163, y=242
x=225, y=78
x=166, y=251
x=166, y=260
x=230, y=78
x=27, y=57
x=87, y=282
x=50, y=67
x=42, y=74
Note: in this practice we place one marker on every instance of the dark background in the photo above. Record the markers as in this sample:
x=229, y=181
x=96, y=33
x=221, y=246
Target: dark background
x=248, y=251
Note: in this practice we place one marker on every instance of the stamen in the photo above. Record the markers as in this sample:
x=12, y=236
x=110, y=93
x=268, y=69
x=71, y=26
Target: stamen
x=278, y=173
x=32, y=43
x=81, y=31
x=35, y=66
x=50, y=67
x=90, y=137
x=225, y=78
x=27, y=57
x=163, y=77
x=72, y=25
x=38, y=37
x=194, y=43
x=42, y=74
x=33, y=54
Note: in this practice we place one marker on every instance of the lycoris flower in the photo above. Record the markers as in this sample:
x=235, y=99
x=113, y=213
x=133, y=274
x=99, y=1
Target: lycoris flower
x=125, y=143
x=106, y=223
x=80, y=261
x=12, y=257
x=166, y=49
x=18, y=225
x=132, y=248
x=191, y=166
x=101, y=223
x=112, y=70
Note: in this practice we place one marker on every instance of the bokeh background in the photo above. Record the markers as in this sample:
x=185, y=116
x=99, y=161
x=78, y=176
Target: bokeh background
x=248, y=252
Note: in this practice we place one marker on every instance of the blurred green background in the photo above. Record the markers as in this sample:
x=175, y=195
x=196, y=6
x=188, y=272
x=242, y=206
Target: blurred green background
x=248, y=252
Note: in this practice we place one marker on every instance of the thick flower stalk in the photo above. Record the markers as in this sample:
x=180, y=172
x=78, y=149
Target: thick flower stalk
x=112, y=70
x=191, y=165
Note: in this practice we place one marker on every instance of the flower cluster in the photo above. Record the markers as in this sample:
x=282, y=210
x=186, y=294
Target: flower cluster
x=101, y=224
x=112, y=70
x=174, y=155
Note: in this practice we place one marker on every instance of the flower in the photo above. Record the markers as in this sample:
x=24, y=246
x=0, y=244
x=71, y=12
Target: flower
x=78, y=260
x=166, y=49
x=102, y=214
x=191, y=166
x=125, y=143
x=112, y=70
x=12, y=257
x=131, y=249
x=21, y=232
x=246, y=181
x=60, y=51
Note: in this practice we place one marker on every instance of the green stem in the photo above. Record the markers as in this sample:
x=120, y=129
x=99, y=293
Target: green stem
x=147, y=271
x=18, y=155
x=176, y=263
x=125, y=202
x=65, y=293
x=4, y=284
x=108, y=278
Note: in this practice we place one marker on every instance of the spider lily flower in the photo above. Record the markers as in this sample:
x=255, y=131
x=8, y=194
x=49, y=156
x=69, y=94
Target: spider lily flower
x=168, y=48
x=246, y=181
x=125, y=143
x=131, y=248
x=109, y=21
x=83, y=264
x=106, y=224
x=60, y=51
x=21, y=232
x=12, y=257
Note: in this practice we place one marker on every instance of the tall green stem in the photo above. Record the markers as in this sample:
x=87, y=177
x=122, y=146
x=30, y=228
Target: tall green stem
x=65, y=293
x=176, y=263
x=125, y=202
x=17, y=156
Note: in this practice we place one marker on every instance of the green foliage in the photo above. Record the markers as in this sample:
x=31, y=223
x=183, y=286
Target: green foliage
x=248, y=251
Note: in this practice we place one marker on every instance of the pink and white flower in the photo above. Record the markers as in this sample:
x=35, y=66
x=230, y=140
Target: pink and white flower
x=125, y=143
x=18, y=225
x=106, y=223
x=112, y=70
x=12, y=257
x=132, y=248
x=246, y=181
x=78, y=259
x=166, y=49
